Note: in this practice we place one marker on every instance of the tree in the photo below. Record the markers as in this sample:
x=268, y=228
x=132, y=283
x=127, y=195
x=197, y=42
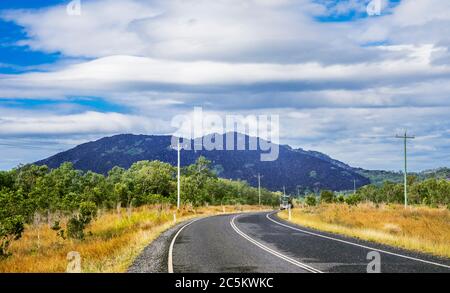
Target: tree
x=391, y=193
x=115, y=176
x=27, y=176
x=13, y=212
x=77, y=224
x=11, y=228
x=7, y=179
x=196, y=179
x=369, y=193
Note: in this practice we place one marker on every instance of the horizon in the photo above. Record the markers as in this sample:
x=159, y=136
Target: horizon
x=192, y=140
x=344, y=82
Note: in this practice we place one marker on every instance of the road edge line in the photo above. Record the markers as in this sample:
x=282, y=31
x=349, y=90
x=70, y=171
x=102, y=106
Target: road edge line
x=170, y=258
x=355, y=244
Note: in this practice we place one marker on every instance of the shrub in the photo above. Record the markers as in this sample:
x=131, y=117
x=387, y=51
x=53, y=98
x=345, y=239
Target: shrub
x=310, y=200
x=340, y=199
x=327, y=196
x=353, y=199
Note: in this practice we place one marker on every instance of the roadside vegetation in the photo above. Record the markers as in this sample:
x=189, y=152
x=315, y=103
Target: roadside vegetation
x=111, y=243
x=430, y=192
x=377, y=213
x=63, y=208
x=417, y=228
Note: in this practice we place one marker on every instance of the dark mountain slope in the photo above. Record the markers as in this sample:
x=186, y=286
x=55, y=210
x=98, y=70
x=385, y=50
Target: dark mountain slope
x=293, y=169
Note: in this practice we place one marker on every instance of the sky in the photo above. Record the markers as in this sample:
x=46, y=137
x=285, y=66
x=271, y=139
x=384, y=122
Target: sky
x=343, y=82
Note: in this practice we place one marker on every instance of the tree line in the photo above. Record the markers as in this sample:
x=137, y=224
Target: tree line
x=32, y=191
x=433, y=192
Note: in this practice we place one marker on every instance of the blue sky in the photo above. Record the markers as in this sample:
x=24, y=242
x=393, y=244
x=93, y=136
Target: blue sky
x=342, y=81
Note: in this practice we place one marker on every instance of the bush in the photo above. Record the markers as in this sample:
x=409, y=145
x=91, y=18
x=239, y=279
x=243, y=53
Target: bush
x=340, y=199
x=310, y=200
x=353, y=199
x=327, y=196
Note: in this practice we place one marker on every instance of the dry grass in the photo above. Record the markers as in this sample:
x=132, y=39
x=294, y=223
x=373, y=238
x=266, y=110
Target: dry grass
x=111, y=244
x=418, y=228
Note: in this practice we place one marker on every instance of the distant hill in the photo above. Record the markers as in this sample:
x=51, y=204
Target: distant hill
x=377, y=177
x=296, y=169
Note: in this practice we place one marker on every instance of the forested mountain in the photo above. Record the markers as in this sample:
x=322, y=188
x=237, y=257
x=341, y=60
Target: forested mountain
x=298, y=170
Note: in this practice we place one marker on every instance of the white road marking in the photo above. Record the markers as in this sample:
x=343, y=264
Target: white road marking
x=355, y=244
x=170, y=260
x=271, y=251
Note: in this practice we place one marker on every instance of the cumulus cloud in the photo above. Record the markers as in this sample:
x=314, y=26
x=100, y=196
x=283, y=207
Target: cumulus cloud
x=236, y=30
x=339, y=87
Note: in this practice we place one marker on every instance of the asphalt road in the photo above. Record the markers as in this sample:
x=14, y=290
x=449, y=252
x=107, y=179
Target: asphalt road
x=263, y=243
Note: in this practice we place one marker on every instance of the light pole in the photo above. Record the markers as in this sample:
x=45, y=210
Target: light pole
x=405, y=138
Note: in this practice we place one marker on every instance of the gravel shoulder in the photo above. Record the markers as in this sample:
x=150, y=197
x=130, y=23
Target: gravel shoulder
x=153, y=258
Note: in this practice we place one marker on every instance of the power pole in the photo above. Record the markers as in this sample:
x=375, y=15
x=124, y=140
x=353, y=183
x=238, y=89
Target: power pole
x=179, y=175
x=259, y=189
x=354, y=186
x=405, y=138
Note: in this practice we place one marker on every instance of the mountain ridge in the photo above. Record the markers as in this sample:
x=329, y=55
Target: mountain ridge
x=296, y=169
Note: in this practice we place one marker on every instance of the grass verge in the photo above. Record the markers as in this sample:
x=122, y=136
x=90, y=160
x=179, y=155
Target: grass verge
x=417, y=228
x=113, y=240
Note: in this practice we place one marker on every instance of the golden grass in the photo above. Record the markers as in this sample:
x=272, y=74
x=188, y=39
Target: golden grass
x=417, y=228
x=111, y=244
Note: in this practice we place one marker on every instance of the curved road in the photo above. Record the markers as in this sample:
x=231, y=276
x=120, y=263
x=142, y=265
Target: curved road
x=263, y=243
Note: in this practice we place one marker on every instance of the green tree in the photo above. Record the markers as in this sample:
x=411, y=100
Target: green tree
x=77, y=224
x=11, y=228
x=13, y=213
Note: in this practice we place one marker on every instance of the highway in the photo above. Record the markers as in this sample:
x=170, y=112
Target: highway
x=263, y=243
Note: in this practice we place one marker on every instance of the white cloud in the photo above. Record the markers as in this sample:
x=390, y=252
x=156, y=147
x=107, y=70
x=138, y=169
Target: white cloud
x=231, y=30
x=139, y=74
x=161, y=58
x=75, y=124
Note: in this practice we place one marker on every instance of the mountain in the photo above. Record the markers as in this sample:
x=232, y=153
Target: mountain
x=296, y=169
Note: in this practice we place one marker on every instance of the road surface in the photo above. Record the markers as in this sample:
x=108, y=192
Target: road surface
x=263, y=243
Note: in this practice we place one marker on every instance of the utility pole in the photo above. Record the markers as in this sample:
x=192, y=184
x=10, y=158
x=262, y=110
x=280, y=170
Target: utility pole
x=179, y=175
x=405, y=138
x=259, y=189
x=354, y=186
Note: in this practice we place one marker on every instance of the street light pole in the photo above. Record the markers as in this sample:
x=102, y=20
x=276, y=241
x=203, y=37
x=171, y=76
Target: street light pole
x=405, y=138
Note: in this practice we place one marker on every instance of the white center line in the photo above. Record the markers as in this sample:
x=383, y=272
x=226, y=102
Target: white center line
x=271, y=251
